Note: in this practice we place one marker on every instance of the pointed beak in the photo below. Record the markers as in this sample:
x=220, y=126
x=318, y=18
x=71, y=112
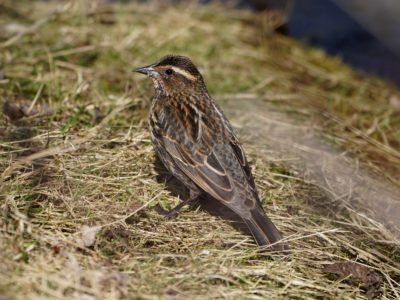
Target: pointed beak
x=148, y=70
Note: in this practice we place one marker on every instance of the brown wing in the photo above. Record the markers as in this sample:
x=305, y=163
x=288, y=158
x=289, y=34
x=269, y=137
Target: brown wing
x=239, y=153
x=200, y=148
x=204, y=170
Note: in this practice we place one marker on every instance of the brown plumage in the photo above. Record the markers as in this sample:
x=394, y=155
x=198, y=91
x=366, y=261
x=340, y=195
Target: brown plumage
x=197, y=144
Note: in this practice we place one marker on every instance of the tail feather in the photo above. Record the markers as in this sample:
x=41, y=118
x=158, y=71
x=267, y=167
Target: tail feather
x=262, y=228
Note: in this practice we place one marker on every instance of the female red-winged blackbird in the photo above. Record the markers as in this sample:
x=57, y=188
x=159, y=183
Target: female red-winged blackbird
x=197, y=144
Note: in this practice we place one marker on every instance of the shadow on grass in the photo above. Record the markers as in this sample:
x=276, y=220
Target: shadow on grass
x=207, y=203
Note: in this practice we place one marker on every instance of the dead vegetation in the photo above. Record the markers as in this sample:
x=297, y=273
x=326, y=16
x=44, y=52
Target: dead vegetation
x=78, y=184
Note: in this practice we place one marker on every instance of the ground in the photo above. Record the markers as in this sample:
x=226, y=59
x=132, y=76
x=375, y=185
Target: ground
x=79, y=182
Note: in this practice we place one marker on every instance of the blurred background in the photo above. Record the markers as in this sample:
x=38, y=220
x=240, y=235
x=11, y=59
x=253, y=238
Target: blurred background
x=364, y=33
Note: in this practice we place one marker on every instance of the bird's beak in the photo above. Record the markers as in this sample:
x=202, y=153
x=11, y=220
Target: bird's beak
x=148, y=70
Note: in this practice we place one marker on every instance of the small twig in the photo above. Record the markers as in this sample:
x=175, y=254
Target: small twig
x=39, y=92
x=74, y=50
x=389, y=280
x=71, y=211
x=122, y=219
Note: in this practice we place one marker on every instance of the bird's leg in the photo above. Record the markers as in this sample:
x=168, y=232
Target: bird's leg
x=172, y=213
x=169, y=178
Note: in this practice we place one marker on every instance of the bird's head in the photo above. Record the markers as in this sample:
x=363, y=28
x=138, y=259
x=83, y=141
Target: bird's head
x=173, y=74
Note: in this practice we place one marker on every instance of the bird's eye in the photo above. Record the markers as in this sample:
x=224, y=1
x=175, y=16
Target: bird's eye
x=169, y=71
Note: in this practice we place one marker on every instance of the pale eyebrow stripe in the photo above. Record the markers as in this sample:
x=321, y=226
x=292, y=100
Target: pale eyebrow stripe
x=183, y=72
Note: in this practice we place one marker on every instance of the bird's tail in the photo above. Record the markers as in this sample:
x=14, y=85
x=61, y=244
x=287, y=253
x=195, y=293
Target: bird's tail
x=263, y=230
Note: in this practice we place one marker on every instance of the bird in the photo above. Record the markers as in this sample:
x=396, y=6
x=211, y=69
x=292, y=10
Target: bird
x=198, y=145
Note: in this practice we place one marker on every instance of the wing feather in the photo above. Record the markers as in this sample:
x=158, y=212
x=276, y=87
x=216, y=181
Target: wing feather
x=213, y=180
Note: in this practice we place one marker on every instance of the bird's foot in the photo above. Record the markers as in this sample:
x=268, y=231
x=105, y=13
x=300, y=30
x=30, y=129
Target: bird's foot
x=169, y=214
x=173, y=213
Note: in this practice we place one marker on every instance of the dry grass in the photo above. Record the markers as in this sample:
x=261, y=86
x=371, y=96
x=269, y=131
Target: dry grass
x=78, y=186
